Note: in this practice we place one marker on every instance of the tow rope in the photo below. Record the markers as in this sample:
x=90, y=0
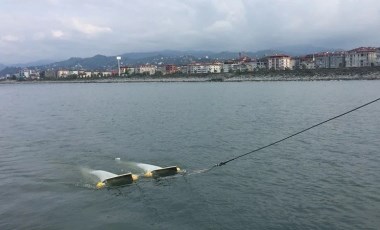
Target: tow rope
x=295, y=134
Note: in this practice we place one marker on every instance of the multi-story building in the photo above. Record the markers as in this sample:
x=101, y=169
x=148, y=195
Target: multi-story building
x=330, y=60
x=337, y=59
x=251, y=66
x=243, y=67
x=261, y=64
x=214, y=67
x=50, y=73
x=127, y=70
x=203, y=68
x=197, y=68
x=62, y=73
x=229, y=66
x=87, y=74
x=279, y=62
x=184, y=69
x=161, y=69
x=95, y=74
x=25, y=73
x=304, y=62
x=361, y=57
x=255, y=64
x=322, y=60
x=170, y=69
x=106, y=73
x=81, y=74
x=293, y=63
x=73, y=72
x=146, y=69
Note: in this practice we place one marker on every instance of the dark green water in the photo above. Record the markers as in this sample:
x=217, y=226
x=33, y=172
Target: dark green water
x=327, y=178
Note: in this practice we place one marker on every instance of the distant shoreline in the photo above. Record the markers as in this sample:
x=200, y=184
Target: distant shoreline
x=207, y=78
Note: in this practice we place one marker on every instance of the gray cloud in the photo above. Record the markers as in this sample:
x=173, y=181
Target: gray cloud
x=58, y=29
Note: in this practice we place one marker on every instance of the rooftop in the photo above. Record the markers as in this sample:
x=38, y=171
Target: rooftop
x=363, y=50
x=279, y=56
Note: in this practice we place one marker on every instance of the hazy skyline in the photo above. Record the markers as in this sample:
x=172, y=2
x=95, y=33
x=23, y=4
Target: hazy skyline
x=59, y=29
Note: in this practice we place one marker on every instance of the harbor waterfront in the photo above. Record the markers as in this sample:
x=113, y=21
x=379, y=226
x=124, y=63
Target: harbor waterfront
x=326, y=178
x=211, y=78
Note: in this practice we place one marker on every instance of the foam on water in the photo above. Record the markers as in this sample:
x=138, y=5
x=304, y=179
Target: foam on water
x=198, y=171
x=102, y=175
x=147, y=167
x=99, y=174
x=87, y=186
x=138, y=167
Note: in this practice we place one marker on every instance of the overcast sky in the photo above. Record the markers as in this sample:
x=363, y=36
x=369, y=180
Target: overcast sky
x=31, y=30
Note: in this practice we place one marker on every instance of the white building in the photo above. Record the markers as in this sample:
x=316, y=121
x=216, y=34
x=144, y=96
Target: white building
x=255, y=64
x=73, y=72
x=87, y=74
x=214, y=67
x=279, y=62
x=29, y=74
x=25, y=73
x=361, y=57
x=197, y=68
x=146, y=69
x=106, y=73
x=203, y=68
x=62, y=73
x=229, y=66
x=127, y=70
x=95, y=74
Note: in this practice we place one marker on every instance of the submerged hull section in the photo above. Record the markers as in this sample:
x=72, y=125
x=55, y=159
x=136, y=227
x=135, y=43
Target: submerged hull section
x=168, y=171
x=120, y=180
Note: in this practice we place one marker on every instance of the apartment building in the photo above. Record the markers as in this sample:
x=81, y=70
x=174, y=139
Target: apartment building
x=170, y=69
x=279, y=62
x=330, y=60
x=62, y=73
x=146, y=69
x=321, y=60
x=127, y=70
x=87, y=74
x=229, y=66
x=203, y=68
x=184, y=69
x=361, y=57
x=215, y=67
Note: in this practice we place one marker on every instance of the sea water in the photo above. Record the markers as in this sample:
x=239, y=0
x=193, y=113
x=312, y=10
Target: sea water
x=326, y=178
